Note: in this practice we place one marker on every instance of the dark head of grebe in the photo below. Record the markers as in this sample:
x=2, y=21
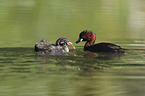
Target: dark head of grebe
x=46, y=47
x=90, y=38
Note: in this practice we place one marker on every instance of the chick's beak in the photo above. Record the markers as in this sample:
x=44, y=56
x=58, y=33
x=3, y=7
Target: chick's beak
x=79, y=40
x=70, y=43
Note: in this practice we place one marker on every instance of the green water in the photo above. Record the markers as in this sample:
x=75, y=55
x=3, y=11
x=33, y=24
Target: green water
x=23, y=72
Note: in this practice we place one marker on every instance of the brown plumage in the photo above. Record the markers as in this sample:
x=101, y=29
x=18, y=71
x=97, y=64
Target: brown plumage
x=90, y=38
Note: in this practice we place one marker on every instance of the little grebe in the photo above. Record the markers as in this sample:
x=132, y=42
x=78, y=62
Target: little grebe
x=44, y=46
x=90, y=37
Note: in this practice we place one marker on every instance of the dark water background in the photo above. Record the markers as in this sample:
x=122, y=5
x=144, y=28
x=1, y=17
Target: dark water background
x=26, y=73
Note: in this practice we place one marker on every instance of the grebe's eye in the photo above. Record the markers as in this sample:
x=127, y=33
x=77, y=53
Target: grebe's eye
x=89, y=35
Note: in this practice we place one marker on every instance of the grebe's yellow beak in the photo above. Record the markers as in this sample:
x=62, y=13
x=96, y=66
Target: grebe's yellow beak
x=70, y=43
